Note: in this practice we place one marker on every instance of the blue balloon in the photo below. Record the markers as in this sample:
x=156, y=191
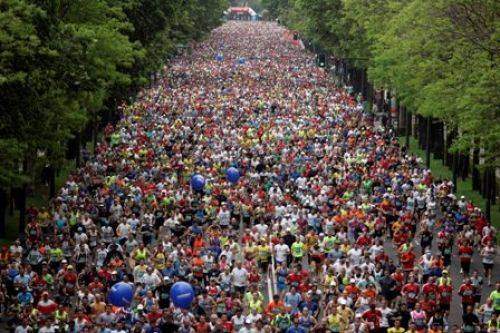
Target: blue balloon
x=233, y=175
x=121, y=294
x=182, y=294
x=219, y=57
x=241, y=60
x=197, y=182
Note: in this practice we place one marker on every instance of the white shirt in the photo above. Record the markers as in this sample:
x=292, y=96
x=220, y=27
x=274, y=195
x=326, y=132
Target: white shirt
x=254, y=317
x=150, y=280
x=46, y=329
x=385, y=315
x=22, y=329
x=355, y=256
x=240, y=276
x=281, y=250
x=123, y=229
x=238, y=321
x=262, y=229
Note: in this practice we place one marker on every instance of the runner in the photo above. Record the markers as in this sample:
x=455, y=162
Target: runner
x=330, y=227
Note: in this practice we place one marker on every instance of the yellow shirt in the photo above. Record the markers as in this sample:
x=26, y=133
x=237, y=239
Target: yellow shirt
x=330, y=280
x=347, y=314
x=335, y=322
x=159, y=261
x=395, y=330
x=264, y=252
x=251, y=250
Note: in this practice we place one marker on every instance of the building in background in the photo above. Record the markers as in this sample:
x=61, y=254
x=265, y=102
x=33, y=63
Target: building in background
x=241, y=14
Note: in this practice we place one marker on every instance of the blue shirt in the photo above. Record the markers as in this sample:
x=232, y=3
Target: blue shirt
x=25, y=297
x=296, y=329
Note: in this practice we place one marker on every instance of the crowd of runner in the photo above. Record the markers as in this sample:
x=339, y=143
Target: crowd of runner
x=332, y=227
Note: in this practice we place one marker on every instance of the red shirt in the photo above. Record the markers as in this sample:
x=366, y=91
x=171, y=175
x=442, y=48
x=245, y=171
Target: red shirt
x=411, y=291
x=228, y=325
x=47, y=307
x=430, y=289
x=213, y=290
x=70, y=277
x=399, y=278
x=429, y=306
x=294, y=278
x=304, y=287
x=381, y=257
x=465, y=253
x=254, y=277
x=304, y=274
x=154, y=316
x=373, y=316
x=202, y=328
x=363, y=241
x=479, y=224
x=408, y=261
x=467, y=293
x=445, y=293
x=400, y=238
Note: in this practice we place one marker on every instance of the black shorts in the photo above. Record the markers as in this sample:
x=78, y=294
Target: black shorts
x=263, y=265
x=241, y=290
x=487, y=266
x=445, y=307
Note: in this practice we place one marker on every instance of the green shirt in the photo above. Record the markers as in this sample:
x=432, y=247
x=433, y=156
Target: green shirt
x=48, y=278
x=56, y=254
x=329, y=242
x=297, y=249
x=283, y=321
x=495, y=296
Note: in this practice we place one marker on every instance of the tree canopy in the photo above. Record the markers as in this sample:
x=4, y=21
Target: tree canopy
x=440, y=57
x=62, y=60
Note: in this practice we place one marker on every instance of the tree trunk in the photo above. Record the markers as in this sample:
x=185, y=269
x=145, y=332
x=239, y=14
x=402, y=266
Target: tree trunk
x=437, y=145
x=455, y=172
x=428, y=143
x=407, y=127
x=12, y=199
x=52, y=181
x=3, y=206
x=22, y=209
x=363, y=84
x=421, y=132
x=450, y=136
x=465, y=166
x=488, y=174
x=476, y=175
x=94, y=137
x=78, y=143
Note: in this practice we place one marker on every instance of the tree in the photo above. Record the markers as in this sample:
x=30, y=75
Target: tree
x=439, y=56
x=65, y=62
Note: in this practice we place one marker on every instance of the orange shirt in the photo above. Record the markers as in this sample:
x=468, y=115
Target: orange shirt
x=274, y=308
x=198, y=243
x=98, y=307
x=370, y=293
x=352, y=290
x=198, y=266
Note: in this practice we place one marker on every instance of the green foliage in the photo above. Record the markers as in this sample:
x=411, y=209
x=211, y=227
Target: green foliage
x=62, y=61
x=439, y=56
x=277, y=7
